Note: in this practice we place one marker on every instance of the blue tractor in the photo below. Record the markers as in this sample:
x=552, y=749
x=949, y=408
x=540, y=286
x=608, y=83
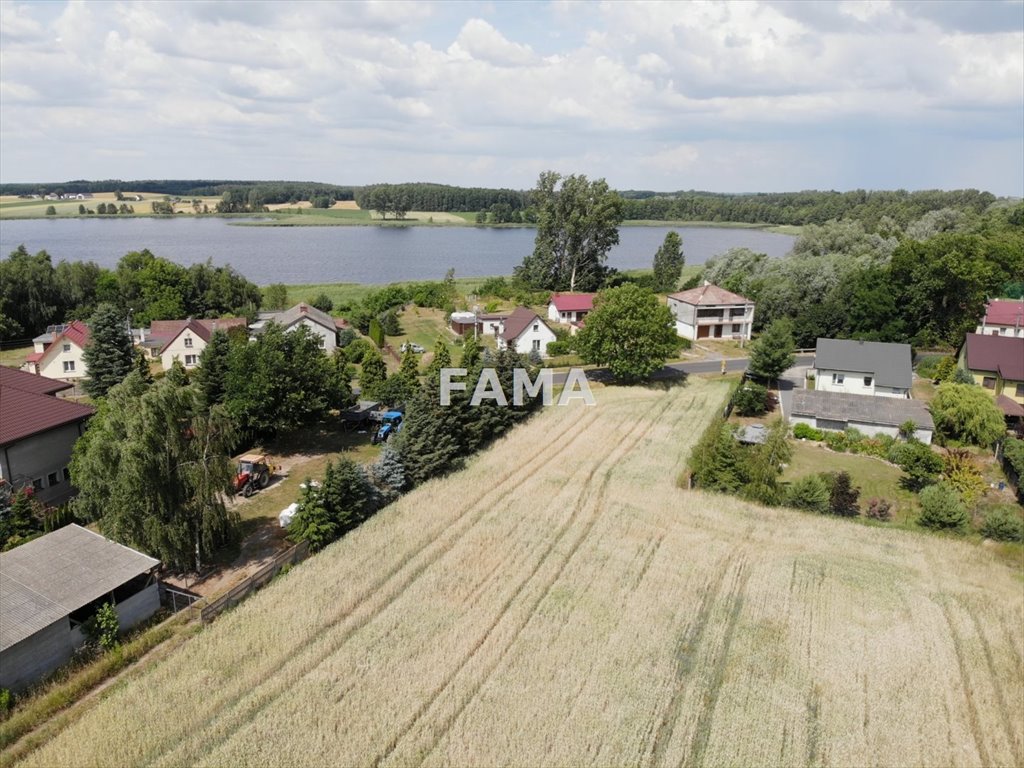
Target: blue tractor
x=390, y=424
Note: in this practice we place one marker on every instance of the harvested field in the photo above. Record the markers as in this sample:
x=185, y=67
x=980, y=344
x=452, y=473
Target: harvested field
x=562, y=602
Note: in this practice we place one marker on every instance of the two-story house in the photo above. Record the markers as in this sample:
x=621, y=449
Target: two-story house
x=1003, y=317
x=57, y=354
x=710, y=312
x=859, y=367
x=997, y=364
x=185, y=340
x=523, y=331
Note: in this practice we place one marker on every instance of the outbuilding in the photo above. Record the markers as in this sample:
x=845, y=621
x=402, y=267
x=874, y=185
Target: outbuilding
x=869, y=415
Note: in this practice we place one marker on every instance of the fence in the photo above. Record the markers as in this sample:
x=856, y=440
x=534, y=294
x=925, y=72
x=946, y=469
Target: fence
x=237, y=594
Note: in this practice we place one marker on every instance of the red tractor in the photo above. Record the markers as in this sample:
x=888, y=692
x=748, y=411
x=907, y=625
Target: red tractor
x=253, y=474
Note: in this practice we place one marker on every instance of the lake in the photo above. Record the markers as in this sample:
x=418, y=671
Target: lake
x=296, y=255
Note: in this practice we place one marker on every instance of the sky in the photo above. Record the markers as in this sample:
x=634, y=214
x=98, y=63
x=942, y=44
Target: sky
x=721, y=96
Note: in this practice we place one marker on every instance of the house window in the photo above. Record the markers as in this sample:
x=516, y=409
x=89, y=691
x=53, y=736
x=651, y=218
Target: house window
x=735, y=327
x=536, y=327
x=188, y=342
x=37, y=484
x=536, y=345
x=66, y=347
x=1020, y=389
x=67, y=474
x=988, y=382
x=838, y=378
x=323, y=343
x=191, y=360
x=867, y=381
x=69, y=366
x=52, y=479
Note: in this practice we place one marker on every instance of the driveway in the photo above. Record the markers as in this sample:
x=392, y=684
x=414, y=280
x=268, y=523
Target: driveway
x=792, y=379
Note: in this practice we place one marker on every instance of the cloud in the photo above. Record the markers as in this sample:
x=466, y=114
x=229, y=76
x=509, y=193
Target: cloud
x=479, y=40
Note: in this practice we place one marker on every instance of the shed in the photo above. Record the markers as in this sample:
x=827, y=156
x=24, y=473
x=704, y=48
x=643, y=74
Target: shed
x=865, y=413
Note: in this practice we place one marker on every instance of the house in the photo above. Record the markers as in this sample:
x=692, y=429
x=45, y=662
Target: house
x=997, y=364
x=524, y=332
x=570, y=308
x=710, y=312
x=491, y=323
x=1003, y=317
x=185, y=340
x=867, y=414
x=37, y=433
x=863, y=367
x=51, y=585
x=318, y=321
x=58, y=353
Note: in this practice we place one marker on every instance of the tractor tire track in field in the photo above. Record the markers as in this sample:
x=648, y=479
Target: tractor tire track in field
x=641, y=426
x=241, y=707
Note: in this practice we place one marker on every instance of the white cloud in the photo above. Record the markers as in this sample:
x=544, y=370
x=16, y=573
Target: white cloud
x=481, y=41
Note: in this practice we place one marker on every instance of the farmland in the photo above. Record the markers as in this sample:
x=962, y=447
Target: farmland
x=562, y=602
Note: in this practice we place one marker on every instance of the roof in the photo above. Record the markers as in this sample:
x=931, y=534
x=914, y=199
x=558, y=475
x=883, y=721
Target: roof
x=866, y=409
x=1009, y=407
x=709, y=294
x=35, y=357
x=1003, y=354
x=890, y=364
x=573, y=302
x=1005, y=312
x=517, y=322
x=77, y=332
x=203, y=328
x=291, y=316
x=30, y=382
x=49, y=577
x=752, y=434
x=23, y=413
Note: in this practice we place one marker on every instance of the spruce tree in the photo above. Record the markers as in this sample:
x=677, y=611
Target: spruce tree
x=668, y=263
x=843, y=499
x=442, y=359
x=108, y=355
x=772, y=352
x=470, y=353
x=373, y=375
x=214, y=363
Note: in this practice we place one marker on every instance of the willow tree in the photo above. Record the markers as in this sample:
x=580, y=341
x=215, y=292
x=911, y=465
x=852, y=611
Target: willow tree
x=153, y=469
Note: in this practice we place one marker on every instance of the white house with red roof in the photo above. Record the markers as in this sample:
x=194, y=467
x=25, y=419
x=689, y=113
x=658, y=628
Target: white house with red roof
x=186, y=339
x=1003, y=317
x=61, y=357
x=570, y=308
x=524, y=332
x=37, y=433
x=711, y=312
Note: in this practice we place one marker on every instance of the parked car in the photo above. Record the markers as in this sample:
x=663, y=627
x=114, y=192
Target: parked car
x=418, y=349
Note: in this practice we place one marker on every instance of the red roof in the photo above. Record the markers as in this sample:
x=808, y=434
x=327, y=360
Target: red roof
x=30, y=382
x=35, y=357
x=1010, y=407
x=24, y=413
x=1005, y=312
x=1003, y=354
x=77, y=332
x=709, y=294
x=204, y=328
x=573, y=302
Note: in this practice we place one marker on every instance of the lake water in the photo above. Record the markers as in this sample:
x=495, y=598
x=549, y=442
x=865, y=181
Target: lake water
x=346, y=254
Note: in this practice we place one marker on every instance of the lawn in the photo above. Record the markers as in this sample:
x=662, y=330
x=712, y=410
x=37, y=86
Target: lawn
x=349, y=293
x=14, y=356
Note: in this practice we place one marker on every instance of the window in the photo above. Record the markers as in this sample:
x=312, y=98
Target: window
x=536, y=345
x=536, y=327
x=989, y=382
x=1020, y=389
x=37, y=484
x=867, y=381
x=323, y=343
x=735, y=327
x=66, y=347
x=69, y=366
x=838, y=378
x=52, y=479
x=191, y=360
x=67, y=474
x=188, y=342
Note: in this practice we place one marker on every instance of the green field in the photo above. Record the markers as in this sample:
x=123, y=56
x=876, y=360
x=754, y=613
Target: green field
x=350, y=293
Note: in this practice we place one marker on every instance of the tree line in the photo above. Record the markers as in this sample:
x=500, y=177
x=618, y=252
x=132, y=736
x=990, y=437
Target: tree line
x=34, y=293
x=441, y=197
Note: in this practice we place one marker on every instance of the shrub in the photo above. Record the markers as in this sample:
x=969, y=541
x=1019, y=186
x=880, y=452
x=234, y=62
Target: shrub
x=960, y=472
x=941, y=508
x=810, y=493
x=389, y=322
x=6, y=701
x=807, y=432
x=750, y=399
x=323, y=303
x=836, y=441
x=920, y=463
x=842, y=500
x=559, y=348
x=1003, y=523
x=879, y=509
x=102, y=628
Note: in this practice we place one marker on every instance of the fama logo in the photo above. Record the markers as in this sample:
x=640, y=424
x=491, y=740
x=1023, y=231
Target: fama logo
x=488, y=387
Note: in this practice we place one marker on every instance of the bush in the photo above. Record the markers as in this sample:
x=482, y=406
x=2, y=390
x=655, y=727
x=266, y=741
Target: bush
x=1003, y=523
x=389, y=322
x=920, y=463
x=807, y=432
x=6, y=701
x=559, y=348
x=102, y=628
x=323, y=303
x=879, y=509
x=810, y=493
x=842, y=500
x=750, y=399
x=941, y=508
x=960, y=472
x=836, y=441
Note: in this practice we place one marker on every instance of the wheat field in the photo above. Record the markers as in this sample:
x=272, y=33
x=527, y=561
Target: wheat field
x=562, y=603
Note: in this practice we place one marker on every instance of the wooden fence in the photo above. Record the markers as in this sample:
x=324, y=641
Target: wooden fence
x=238, y=593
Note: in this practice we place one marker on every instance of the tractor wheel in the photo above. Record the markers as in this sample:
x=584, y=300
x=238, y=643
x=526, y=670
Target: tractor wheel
x=373, y=439
x=264, y=479
x=249, y=489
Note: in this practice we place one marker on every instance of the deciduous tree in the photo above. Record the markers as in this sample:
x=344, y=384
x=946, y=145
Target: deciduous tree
x=668, y=263
x=772, y=352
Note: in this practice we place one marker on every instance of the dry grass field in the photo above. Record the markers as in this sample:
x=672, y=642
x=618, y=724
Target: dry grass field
x=562, y=602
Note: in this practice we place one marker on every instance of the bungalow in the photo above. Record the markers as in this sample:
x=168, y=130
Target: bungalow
x=51, y=585
x=710, y=312
x=524, y=332
x=997, y=364
x=863, y=368
x=58, y=353
x=1003, y=317
x=37, y=434
x=186, y=339
x=570, y=308
x=869, y=415
x=318, y=321
x=491, y=323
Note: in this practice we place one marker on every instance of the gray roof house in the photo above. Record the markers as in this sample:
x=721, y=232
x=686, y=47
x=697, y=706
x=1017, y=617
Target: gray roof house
x=859, y=367
x=50, y=585
x=318, y=321
x=868, y=415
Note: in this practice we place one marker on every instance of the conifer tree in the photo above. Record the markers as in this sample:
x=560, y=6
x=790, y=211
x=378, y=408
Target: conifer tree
x=668, y=263
x=373, y=374
x=470, y=353
x=108, y=354
x=214, y=364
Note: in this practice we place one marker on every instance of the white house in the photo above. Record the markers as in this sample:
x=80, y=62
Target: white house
x=321, y=323
x=61, y=357
x=491, y=323
x=523, y=331
x=710, y=312
x=190, y=338
x=863, y=368
x=570, y=308
x=869, y=415
x=1003, y=317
